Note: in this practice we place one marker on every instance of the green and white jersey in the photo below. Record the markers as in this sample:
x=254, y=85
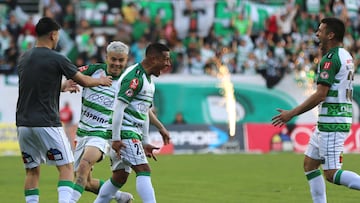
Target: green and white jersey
x=352, y=7
x=97, y=104
x=336, y=70
x=137, y=89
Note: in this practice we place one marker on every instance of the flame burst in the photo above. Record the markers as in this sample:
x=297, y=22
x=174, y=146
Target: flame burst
x=228, y=93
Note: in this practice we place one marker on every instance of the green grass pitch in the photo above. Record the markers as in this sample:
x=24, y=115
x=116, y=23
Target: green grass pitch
x=232, y=178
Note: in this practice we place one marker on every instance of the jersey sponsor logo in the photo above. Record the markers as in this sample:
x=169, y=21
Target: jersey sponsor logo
x=129, y=92
x=83, y=68
x=330, y=55
x=95, y=117
x=54, y=154
x=349, y=61
x=27, y=158
x=101, y=100
x=324, y=75
x=327, y=65
x=134, y=83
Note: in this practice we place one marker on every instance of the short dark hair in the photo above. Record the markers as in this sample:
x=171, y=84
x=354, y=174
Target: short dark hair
x=336, y=26
x=46, y=25
x=156, y=48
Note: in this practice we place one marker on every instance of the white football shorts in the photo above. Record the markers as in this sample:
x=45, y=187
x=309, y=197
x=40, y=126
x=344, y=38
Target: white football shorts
x=86, y=141
x=132, y=155
x=327, y=147
x=48, y=145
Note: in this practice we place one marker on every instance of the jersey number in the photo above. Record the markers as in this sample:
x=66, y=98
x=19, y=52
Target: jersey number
x=137, y=147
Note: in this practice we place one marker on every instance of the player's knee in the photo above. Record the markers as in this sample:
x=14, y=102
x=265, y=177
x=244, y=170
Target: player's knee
x=310, y=164
x=120, y=176
x=329, y=175
x=92, y=188
x=84, y=166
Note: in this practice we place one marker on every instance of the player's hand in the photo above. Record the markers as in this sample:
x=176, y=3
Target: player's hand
x=283, y=117
x=71, y=86
x=165, y=135
x=117, y=145
x=106, y=80
x=148, y=148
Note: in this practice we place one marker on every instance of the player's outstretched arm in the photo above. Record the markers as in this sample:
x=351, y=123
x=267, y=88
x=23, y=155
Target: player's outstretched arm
x=88, y=81
x=162, y=130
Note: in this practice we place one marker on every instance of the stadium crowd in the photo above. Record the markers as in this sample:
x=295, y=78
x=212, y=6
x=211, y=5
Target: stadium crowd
x=287, y=44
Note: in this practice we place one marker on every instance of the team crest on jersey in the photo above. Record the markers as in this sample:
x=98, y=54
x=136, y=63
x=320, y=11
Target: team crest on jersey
x=83, y=68
x=324, y=75
x=134, y=83
x=129, y=92
x=327, y=65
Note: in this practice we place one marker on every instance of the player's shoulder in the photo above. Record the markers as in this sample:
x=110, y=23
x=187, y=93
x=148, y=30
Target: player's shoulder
x=135, y=71
x=92, y=68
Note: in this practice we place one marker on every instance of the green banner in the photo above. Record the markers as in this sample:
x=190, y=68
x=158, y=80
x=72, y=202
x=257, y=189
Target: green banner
x=204, y=103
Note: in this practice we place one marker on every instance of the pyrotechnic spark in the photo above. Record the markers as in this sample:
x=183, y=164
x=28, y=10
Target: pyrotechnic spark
x=228, y=93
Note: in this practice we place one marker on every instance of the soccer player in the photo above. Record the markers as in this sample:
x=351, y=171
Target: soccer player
x=334, y=97
x=130, y=142
x=41, y=136
x=94, y=130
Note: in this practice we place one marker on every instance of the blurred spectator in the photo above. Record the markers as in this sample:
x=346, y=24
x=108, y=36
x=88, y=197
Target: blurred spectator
x=206, y=52
x=179, y=119
x=352, y=8
x=5, y=39
x=85, y=40
x=250, y=65
x=303, y=22
x=180, y=64
x=285, y=18
x=55, y=8
x=137, y=49
x=241, y=23
x=66, y=114
x=13, y=27
x=29, y=26
x=11, y=55
x=273, y=72
x=196, y=64
x=69, y=21
x=192, y=43
x=170, y=33
x=260, y=53
x=66, y=117
x=339, y=9
x=271, y=25
x=244, y=48
x=26, y=41
x=130, y=13
x=144, y=26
